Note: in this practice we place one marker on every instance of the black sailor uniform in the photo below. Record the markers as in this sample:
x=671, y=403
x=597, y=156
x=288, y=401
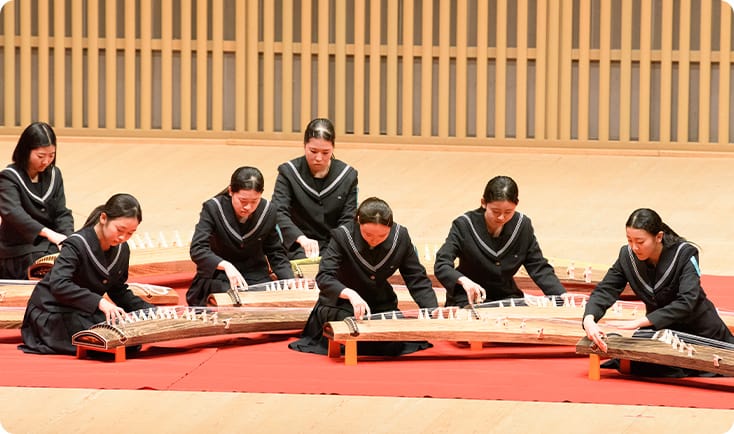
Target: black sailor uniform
x=25, y=208
x=492, y=262
x=349, y=262
x=671, y=292
x=66, y=300
x=313, y=206
x=249, y=246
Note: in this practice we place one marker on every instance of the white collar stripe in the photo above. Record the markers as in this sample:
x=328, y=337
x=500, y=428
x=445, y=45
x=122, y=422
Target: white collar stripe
x=361, y=258
x=326, y=189
x=232, y=230
x=28, y=190
x=665, y=275
x=99, y=265
x=485, y=246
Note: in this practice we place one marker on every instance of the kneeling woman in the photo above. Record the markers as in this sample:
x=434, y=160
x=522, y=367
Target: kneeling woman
x=92, y=262
x=353, y=274
x=662, y=269
x=235, y=242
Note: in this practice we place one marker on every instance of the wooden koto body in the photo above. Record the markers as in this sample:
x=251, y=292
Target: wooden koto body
x=299, y=292
x=17, y=293
x=11, y=317
x=542, y=322
x=181, y=322
x=665, y=348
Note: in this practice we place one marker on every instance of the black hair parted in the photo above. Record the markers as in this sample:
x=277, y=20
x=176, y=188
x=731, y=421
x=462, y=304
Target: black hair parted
x=501, y=188
x=374, y=210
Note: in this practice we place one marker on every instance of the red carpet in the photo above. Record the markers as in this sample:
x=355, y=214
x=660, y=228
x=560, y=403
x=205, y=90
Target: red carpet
x=263, y=363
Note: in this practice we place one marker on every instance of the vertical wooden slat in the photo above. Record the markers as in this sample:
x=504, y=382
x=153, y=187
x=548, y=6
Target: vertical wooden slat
x=323, y=59
x=340, y=68
x=306, y=12
x=25, y=63
x=684, y=56
x=461, y=56
x=625, y=78
x=110, y=65
x=287, y=92
x=645, y=70
x=241, y=105
x=552, y=72
x=704, y=89
x=43, y=61
x=202, y=63
x=77, y=74
x=521, y=93
x=541, y=69
x=77, y=82
x=359, y=80
x=217, y=65
x=407, y=91
x=482, y=49
x=724, y=73
x=268, y=78
x=130, y=78
x=392, y=68
x=375, y=108
x=146, y=67
x=565, y=70
x=253, y=100
x=167, y=65
x=426, y=68
x=584, y=69
x=500, y=88
x=9, y=63
x=666, y=71
x=605, y=49
x=93, y=65
x=444, y=64
x=59, y=86
x=186, y=84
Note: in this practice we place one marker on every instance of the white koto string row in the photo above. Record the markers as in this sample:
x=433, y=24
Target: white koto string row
x=550, y=302
x=148, y=241
x=185, y=313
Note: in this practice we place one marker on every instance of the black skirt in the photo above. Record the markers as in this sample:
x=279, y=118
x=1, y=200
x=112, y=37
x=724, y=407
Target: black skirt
x=47, y=332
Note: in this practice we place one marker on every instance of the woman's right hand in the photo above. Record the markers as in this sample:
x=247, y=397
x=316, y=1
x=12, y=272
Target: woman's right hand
x=236, y=280
x=474, y=292
x=112, y=312
x=594, y=333
x=310, y=247
x=360, y=307
x=53, y=236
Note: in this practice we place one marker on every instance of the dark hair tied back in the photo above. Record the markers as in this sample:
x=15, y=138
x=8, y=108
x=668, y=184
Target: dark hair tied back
x=120, y=205
x=650, y=221
x=501, y=188
x=247, y=178
x=320, y=128
x=374, y=210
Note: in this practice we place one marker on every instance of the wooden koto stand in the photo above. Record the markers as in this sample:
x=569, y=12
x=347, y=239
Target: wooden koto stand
x=663, y=349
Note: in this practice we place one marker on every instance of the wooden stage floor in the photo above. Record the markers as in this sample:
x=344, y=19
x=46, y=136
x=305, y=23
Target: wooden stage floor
x=578, y=202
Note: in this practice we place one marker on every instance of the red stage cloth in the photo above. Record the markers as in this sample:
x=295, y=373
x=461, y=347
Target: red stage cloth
x=263, y=363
